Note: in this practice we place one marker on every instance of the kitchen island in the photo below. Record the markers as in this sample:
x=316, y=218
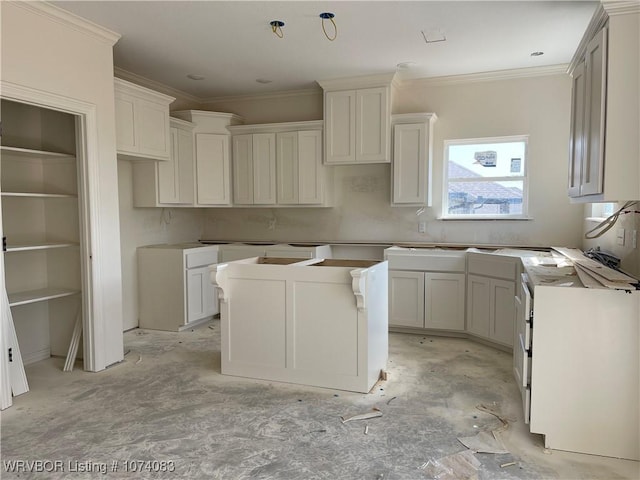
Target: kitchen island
x=318, y=322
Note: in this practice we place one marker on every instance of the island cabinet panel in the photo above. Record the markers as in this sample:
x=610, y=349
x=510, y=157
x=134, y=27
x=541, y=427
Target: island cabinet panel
x=312, y=322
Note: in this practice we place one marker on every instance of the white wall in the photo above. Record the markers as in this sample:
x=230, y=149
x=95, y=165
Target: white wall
x=147, y=226
x=49, y=55
x=539, y=107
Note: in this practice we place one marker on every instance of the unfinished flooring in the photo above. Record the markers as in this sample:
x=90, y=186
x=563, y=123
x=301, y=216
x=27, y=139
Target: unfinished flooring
x=167, y=402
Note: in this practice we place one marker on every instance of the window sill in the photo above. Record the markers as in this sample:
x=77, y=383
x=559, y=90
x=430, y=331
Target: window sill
x=478, y=217
x=596, y=219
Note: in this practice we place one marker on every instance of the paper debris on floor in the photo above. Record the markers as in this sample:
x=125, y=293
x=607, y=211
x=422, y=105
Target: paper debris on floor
x=459, y=466
x=484, y=442
x=362, y=416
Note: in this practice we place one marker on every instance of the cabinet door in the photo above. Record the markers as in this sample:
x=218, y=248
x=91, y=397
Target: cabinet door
x=125, y=123
x=410, y=161
x=243, y=169
x=287, y=168
x=444, y=300
x=372, y=125
x=596, y=81
x=212, y=169
x=406, y=299
x=152, y=123
x=310, y=169
x=503, y=311
x=168, y=173
x=576, y=145
x=478, y=305
x=184, y=166
x=200, y=294
x=264, y=168
x=340, y=127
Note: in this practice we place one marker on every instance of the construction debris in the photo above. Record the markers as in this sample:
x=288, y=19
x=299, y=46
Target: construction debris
x=363, y=416
x=484, y=442
x=459, y=466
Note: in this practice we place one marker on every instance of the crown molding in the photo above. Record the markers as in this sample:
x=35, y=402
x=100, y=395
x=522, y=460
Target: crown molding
x=262, y=96
x=487, y=76
x=277, y=127
x=365, y=81
x=152, y=84
x=140, y=90
x=618, y=7
x=69, y=19
x=400, y=118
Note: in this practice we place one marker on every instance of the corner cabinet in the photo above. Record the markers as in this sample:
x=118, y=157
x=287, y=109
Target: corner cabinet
x=212, y=165
x=280, y=164
x=171, y=183
x=491, y=288
x=142, y=122
x=412, y=158
x=604, y=130
x=357, y=119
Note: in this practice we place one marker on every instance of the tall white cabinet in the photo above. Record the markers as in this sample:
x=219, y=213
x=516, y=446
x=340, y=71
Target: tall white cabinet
x=604, y=129
x=41, y=224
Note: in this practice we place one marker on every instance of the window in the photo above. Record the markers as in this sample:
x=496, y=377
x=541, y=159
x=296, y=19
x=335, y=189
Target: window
x=485, y=178
x=600, y=211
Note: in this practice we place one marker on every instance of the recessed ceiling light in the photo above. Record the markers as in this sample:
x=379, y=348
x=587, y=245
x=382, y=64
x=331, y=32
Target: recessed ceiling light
x=537, y=54
x=195, y=76
x=264, y=81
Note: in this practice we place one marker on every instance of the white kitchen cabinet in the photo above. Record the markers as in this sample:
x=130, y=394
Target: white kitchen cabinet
x=582, y=344
x=491, y=312
x=142, y=122
x=280, y=164
x=412, y=158
x=426, y=288
x=604, y=130
x=300, y=174
x=171, y=183
x=212, y=182
x=357, y=119
x=254, y=169
x=174, y=291
x=44, y=255
x=444, y=297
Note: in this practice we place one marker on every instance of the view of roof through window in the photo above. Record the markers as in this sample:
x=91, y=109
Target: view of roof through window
x=486, y=177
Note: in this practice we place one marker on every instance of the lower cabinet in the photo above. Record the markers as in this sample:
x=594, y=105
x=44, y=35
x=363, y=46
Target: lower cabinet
x=174, y=290
x=231, y=252
x=432, y=300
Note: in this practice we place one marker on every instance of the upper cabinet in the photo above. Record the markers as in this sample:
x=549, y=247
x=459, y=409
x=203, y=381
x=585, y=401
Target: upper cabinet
x=212, y=165
x=412, y=157
x=161, y=184
x=604, y=158
x=279, y=164
x=142, y=122
x=357, y=119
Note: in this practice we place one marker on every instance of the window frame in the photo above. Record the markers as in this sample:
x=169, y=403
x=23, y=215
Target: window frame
x=524, y=178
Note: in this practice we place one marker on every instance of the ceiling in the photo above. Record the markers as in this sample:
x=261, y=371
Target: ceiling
x=231, y=44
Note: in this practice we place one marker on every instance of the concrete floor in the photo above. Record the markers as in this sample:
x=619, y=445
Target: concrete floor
x=167, y=402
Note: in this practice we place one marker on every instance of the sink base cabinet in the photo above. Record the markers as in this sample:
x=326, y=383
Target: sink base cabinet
x=491, y=309
x=324, y=326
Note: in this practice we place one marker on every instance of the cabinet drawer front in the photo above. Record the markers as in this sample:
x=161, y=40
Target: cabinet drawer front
x=428, y=263
x=493, y=266
x=201, y=259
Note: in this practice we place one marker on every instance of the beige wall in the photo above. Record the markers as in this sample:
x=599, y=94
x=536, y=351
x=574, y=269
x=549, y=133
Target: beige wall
x=539, y=107
x=49, y=55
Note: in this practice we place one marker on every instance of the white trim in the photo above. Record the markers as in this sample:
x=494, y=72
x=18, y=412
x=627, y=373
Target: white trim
x=127, y=87
x=401, y=118
x=276, y=127
x=515, y=73
x=262, y=96
x=89, y=199
x=598, y=20
x=366, y=81
x=70, y=20
x=620, y=7
x=153, y=85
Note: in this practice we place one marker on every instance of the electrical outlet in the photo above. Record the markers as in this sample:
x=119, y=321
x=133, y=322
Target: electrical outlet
x=620, y=236
x=422, y=227
x=634, y=239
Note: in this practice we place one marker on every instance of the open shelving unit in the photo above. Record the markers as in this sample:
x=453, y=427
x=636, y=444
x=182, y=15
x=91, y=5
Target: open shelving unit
x=41, y=225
